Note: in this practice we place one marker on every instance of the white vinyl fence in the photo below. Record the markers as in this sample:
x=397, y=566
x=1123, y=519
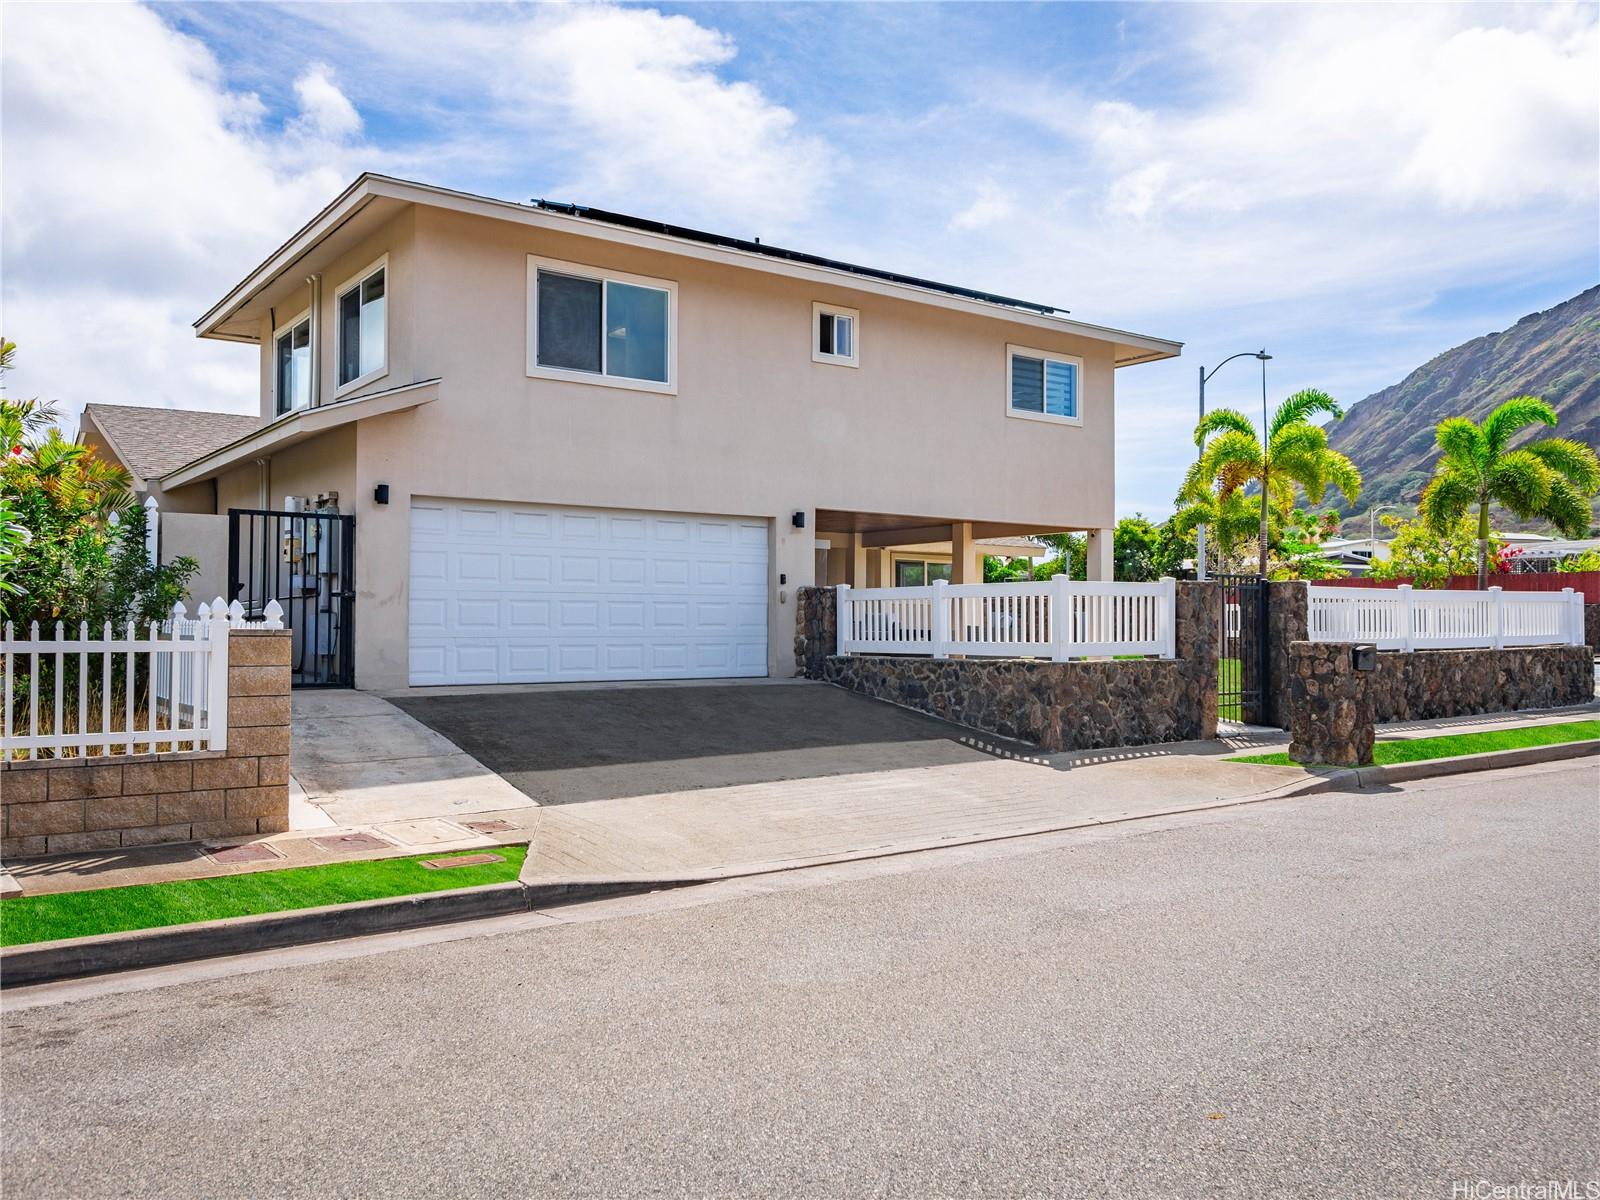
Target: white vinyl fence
x=1059, y=619
x=1405, y=619
x=165, y=689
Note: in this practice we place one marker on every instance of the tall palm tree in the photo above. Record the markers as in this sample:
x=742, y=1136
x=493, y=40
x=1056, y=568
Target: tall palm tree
x=1551, y=479
x=1296, y=453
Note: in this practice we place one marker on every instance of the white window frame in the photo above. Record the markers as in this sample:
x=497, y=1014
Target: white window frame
x=311, y=384
x=339, y=293
x=601, y=379
x=818, y=311
x=1047, y=356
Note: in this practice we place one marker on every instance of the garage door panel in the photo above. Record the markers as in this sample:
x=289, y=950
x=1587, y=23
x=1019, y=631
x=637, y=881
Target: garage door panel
x=525, y=593
x=527, y=568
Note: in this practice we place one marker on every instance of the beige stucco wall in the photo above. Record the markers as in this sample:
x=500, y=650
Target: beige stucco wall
x=394, y=240
x=756, y=427
x=204, y=538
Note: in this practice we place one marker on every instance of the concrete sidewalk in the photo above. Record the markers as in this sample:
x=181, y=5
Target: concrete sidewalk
x=717, y=832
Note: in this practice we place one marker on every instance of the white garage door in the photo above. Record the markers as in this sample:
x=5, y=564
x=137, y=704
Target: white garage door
x=521, y=593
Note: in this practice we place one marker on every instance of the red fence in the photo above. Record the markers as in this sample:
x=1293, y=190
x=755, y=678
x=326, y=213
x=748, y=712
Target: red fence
x=1587, y=582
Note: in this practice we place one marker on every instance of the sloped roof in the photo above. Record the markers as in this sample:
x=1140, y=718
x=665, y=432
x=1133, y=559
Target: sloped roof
x=152, y=441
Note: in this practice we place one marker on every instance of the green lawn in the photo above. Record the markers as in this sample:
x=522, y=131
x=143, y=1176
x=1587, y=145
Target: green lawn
x=1456, y=744
x=146, y=906
x=1228, y=680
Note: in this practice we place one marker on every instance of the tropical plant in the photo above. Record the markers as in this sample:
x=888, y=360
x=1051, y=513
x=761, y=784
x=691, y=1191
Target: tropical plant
x=1425, y=556
x=71, y=538
x=1298, y=550
x=1136, y=550
x=1233, y=525
x=1589, y=560
x=1550, y=479
x=1233, y=458
x=1071, y=557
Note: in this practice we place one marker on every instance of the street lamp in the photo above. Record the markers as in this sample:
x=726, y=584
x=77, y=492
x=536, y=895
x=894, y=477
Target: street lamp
x=1372, y=529
x=1200, y=532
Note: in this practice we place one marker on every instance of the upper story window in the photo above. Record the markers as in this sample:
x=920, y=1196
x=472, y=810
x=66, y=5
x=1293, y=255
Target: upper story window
x=1043, y=385
x=601, y=326
x=292, y=365
x=835, y=335
x=361, y=315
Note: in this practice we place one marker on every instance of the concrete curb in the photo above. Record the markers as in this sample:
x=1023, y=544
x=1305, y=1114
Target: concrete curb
x=1353, y=778
x=46, y=962
x=70, y=958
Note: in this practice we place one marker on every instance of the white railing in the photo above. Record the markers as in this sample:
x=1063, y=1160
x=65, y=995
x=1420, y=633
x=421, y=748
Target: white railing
x=128, y=694
x=1403, y=618
x=1058, y=619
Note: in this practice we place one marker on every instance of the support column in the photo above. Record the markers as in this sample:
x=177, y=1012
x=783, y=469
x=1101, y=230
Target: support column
x=855, y=562
x=1099, y=564
x=966, y=560
x=880, y=568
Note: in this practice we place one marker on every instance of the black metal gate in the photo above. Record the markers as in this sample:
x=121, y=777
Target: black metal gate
x=1242, y=671
x=306, y=561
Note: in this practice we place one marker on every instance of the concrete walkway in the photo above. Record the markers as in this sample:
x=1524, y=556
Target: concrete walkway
x=362, y=761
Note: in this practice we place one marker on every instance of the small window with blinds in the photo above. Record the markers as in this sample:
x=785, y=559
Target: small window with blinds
x=1042, y=385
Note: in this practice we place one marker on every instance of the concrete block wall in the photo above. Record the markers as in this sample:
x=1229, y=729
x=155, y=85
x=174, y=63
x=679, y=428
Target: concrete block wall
x=52, y=806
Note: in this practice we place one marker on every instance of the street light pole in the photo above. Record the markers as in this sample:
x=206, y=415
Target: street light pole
x=1372, y=529
x=1200, y=530
x=1263, y=356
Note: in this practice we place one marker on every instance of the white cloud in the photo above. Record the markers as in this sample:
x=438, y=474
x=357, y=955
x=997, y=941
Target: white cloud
x=619, y=106
x=137, y=188
x=992, y=205
x=325, y=111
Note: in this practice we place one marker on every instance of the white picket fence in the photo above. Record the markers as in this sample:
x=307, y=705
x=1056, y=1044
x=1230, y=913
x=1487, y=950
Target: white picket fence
x=1403, y=618
x=183, y=708
x=1059, y=619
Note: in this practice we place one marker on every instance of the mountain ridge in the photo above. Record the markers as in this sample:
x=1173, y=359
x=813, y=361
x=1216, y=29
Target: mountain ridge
x=1554, y=354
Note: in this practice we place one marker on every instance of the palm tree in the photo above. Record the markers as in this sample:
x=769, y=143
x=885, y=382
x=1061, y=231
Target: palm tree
x=1296, y=453
x=1550, y=479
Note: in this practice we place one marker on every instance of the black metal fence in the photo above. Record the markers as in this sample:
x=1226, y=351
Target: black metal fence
x=306, y=562
x=1242, y=671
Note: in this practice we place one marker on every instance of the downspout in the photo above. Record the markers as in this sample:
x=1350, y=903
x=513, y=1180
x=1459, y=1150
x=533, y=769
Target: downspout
x=316, y=340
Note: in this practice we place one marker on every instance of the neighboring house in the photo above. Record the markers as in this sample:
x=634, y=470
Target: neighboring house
x=1355, y=555
x=582, y=446
x=149, y=442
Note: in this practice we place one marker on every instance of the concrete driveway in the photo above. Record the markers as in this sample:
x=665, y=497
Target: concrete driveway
x=575, y=745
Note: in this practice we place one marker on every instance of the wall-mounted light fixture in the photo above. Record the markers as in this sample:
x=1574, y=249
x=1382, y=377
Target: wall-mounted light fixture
x=380, y=494
x=798, y=520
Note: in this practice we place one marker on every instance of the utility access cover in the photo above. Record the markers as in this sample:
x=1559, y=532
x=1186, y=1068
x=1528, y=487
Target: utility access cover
x=462, y=860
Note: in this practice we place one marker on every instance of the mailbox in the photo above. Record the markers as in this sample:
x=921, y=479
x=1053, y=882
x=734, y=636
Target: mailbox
x=1364, y=657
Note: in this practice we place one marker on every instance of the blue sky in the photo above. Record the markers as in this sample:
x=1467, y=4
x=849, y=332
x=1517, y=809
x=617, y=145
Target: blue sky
x=1356, y=188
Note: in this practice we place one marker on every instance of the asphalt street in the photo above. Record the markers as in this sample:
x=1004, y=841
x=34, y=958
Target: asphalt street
x=1378, y=994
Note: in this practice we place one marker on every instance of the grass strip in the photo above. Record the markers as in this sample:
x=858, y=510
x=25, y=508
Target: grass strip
x=1403, y=750
x=150, y=905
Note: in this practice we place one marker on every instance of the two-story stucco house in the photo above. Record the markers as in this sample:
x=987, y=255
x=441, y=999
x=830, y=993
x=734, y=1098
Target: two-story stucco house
x=581, y=446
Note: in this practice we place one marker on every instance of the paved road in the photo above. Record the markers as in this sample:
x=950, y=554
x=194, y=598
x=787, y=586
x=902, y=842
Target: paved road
x=1373, y=994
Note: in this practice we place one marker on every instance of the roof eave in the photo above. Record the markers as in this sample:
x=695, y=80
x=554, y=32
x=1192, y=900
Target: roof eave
x=368, y=186
x=299, y=426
